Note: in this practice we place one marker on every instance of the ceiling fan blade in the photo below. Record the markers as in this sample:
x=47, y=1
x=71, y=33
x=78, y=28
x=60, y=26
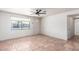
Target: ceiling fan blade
x=42, y=13
x=37, y=10
x=40, y=10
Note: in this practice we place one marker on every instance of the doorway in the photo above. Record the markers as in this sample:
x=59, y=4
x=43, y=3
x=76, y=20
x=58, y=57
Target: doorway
x=72, y=26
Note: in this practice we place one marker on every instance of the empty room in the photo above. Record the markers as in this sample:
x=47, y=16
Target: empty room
x=39, y=29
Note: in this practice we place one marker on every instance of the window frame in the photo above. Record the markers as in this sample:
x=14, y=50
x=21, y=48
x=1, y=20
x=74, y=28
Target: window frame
x=19, y=24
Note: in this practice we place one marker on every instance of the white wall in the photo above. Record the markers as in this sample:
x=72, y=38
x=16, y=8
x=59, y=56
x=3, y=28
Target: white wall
x=76, y=26
x=7, y=33
x=56, y=25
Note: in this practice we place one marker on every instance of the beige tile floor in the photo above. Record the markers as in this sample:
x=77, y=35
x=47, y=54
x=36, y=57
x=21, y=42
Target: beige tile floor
x=40, y=43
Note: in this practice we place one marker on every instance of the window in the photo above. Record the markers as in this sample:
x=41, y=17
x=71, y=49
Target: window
x=20, y=23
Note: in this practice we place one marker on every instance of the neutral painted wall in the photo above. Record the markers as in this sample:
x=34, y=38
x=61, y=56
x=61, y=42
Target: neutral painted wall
x=56, y=25
x=7, y=33
x=76, y=26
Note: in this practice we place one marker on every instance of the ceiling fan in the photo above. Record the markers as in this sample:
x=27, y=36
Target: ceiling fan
x=39, y=12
